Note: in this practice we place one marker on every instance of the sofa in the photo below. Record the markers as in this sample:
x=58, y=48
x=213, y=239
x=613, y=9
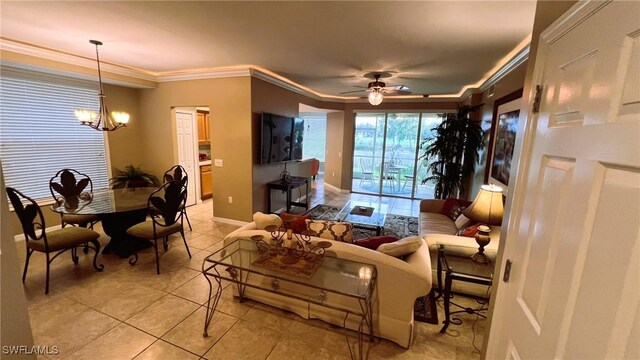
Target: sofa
x=436, y=228
x=400, y=283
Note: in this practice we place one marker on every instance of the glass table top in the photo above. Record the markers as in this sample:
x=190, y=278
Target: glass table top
x=341, y=276
x=107, y=202
x=376, y=219
x=458, y=259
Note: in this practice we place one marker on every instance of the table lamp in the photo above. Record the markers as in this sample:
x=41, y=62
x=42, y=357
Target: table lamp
x=487, y=210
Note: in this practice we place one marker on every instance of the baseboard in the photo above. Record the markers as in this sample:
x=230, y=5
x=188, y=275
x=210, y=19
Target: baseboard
x=230, y=221
x=335, y=188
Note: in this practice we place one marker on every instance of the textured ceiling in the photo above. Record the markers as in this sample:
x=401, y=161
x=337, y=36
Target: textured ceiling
x=434, y=47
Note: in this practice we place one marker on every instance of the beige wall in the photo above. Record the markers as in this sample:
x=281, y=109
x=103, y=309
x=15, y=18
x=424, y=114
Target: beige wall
x=335, y=151
x=505, y=86
x=229, y=101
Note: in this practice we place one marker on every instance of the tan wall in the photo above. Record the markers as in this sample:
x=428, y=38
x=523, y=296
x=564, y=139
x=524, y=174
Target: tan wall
x=125, y=144
x=335, y=151
x=505, y=86
x=266, y=97
x=229, y=101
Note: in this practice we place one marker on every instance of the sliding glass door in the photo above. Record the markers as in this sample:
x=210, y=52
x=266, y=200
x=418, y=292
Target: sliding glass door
x=386, y=151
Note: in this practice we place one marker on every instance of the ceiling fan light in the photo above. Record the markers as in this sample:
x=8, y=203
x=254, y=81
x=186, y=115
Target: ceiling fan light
x=375, y=98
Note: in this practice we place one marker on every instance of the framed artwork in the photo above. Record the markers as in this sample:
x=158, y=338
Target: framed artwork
x=502, y=141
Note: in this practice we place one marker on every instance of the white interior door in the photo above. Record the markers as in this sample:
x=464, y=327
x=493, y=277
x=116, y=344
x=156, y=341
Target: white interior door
x=574, y=231
x=187, y=144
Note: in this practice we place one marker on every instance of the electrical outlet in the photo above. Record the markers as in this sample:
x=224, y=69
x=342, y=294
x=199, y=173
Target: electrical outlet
x=339, y=154
x=217, y=162
x=230, y=200
x=333, y=174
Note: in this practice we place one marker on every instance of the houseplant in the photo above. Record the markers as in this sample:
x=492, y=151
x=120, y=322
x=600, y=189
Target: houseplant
x=132, y=177
x=451, y=155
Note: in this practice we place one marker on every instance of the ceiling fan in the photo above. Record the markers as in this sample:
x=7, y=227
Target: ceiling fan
x=377, y=89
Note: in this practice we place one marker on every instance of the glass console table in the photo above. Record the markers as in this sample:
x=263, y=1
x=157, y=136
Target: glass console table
x=334, y=279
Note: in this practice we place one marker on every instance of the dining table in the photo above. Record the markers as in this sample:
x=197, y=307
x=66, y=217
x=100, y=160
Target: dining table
x=118, y=210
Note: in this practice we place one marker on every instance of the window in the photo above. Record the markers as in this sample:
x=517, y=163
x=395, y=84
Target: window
x=39, y=134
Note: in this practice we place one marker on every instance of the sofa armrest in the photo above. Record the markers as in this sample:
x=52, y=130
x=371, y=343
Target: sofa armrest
x=237, y=233
x=431, y=205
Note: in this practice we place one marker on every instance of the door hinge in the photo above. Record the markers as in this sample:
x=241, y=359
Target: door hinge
x=507, y=271
x=535, y=108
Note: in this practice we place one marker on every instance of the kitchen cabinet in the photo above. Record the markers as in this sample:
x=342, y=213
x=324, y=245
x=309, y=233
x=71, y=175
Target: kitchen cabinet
x=205, y=182
x=203, y=127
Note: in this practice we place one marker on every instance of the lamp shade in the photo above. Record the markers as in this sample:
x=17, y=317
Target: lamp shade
x=487, y=207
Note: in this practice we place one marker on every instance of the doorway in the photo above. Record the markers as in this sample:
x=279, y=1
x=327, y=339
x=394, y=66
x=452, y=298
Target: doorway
x=189, y=131
x=386, y=154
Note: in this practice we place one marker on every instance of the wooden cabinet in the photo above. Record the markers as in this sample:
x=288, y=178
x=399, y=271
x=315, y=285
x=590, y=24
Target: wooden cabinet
x=203, y=127
x=205, y=182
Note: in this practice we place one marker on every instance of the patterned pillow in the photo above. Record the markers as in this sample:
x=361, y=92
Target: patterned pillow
x=332, y=230
x=462, y=222
x=453, y=207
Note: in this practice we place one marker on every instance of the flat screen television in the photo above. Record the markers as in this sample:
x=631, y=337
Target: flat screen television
x=281, y=139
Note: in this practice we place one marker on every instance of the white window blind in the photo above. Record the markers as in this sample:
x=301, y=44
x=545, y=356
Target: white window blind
x=39, y=135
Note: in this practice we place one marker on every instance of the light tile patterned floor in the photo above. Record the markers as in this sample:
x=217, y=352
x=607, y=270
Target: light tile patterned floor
x=129, y=312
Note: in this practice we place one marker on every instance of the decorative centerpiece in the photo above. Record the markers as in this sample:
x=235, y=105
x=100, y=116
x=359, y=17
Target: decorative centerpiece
x=290, y=252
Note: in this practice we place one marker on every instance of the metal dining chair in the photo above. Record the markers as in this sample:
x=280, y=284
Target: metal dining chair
x=164, y=206
x=178, y=173
x=68, y=186
x=53, y=242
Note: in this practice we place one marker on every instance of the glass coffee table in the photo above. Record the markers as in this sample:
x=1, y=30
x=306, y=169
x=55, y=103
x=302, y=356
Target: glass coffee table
x=367, y=215
x=338, y=284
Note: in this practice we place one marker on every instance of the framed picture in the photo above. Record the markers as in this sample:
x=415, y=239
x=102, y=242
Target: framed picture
x=502, y=141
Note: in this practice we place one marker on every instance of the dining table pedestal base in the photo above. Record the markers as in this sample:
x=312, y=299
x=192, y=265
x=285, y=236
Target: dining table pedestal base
x=116, y=225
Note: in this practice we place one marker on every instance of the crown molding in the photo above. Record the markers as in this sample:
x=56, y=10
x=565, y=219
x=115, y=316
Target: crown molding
x=514, y=62
x=201, y=74
x=578, y=13
x=284, y=84
x=71, y=59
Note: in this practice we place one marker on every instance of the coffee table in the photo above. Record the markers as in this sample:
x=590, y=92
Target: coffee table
x=374, y=222
x=352, y=283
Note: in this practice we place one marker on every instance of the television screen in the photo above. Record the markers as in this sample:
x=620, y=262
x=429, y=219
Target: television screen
x=276, y=139
x=298, y=135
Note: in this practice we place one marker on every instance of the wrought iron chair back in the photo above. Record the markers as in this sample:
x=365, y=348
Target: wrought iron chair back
x=31, y=217
x=176, y=173
x=68, y=186
x=167, y=203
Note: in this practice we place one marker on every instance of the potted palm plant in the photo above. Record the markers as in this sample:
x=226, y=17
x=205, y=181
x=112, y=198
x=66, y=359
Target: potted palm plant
x=133, y=177
x=451, y=155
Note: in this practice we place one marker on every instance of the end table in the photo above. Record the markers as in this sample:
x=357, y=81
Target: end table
x=456, y=263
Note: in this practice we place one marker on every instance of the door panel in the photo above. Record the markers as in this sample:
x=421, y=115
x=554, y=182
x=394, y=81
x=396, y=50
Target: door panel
x=574, y=232
x=186, y=150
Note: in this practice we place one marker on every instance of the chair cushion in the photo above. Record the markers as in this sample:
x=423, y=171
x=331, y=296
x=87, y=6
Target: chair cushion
x=432, y=223
x=145, y=230
x=65, y=238
x=79, y=219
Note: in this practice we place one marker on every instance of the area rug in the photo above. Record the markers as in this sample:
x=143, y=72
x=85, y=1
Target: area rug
x=399, y=226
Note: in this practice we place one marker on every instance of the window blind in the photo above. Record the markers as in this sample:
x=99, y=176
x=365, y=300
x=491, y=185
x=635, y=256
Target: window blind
x=39, y=135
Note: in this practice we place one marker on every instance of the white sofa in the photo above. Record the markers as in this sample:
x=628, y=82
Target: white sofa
x=437, y=229
x=399, y=284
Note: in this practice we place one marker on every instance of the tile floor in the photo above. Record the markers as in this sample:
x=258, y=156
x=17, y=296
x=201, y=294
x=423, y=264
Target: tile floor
x=129, y=312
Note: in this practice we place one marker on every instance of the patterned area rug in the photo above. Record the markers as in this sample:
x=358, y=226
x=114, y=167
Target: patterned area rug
x=399, y=226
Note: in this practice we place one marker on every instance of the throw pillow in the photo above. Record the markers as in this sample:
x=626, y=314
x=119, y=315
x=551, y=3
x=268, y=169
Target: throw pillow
x=462, y=222
x=469, y=231
x=453, y=207
x=401, y=247
x=374, y=242
x=332, y=230
x=264, y=220
x=294, y=222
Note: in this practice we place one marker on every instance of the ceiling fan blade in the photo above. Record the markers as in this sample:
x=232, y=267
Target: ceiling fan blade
x=354, y=92
x=397, y=92
x=397, y=88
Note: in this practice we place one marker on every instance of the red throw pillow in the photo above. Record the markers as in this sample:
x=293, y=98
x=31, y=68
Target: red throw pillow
x=453, y=207
x=294, y=222
x=470, y=231
x=374, y=242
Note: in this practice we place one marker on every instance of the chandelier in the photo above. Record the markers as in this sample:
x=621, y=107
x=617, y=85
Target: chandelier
x=101, y=121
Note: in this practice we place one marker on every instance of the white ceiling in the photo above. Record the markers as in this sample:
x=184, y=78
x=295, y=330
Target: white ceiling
x=434, y=47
